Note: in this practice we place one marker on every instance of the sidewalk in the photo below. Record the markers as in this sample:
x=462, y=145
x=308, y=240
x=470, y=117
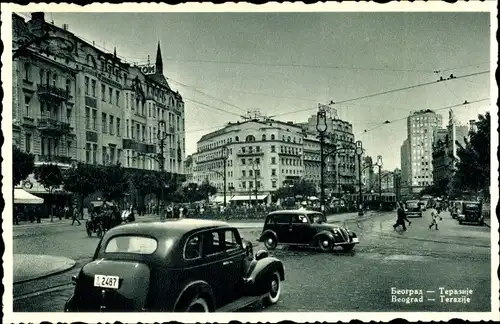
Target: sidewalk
x=28, y=267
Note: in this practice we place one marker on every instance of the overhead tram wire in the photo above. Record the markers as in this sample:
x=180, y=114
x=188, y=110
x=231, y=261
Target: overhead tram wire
x=388, y=92
x=466, y=103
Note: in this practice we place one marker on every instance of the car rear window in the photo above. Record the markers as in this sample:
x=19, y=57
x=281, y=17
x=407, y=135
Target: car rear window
x=131, y=244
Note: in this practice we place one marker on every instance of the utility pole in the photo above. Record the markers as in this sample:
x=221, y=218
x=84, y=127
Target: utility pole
x=162, y=136
x=359, y=153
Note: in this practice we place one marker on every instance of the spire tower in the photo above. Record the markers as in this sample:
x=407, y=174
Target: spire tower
x=159, y=61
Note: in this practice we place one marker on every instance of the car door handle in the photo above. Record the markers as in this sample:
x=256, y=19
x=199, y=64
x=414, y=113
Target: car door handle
x=227, y=262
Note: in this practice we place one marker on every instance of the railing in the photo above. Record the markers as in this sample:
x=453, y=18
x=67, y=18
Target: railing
x=53, y=91
x=55, y=158
x=247, y=153
x=54, y=125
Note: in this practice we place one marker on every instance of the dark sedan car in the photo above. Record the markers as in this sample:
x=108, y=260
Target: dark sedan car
x=305, y=227
x=413, y=208
x=175, y=266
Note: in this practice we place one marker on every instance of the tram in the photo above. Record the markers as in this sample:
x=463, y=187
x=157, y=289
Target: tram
x=373, y=200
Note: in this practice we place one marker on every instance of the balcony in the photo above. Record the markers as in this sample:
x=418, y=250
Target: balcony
x=53, y=126
x=250, y=153
x=51, y=93
x=55, y=159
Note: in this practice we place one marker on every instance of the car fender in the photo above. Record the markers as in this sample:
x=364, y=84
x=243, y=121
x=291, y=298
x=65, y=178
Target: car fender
x=256, y=281
x=322, y=234
x=266, y=233
x=195, y=288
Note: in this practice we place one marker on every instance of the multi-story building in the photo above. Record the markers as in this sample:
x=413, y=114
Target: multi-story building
x=188, y=169
x=75, y=102
x=446, y=141
x=417, y=168
x=405, y=168
x=367, y=174
x=340, y=168
x=262, y=155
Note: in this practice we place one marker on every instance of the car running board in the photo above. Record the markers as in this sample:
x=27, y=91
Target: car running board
x=240, y=303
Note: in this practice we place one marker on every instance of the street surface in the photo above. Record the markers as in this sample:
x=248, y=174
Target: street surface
x=378, y=275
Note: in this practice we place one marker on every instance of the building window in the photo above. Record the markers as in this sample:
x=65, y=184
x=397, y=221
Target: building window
x=244, y=184
x=243, y=161
x=104, y=123
x=111, y=125
x=68, y=86
x=127, y=130
x=273, y=172
x=87, y=152
x=118, y=132
x=27, y=100
x=273, y=183
x=273, y=149
x=68, y=116
x=87, y=81
x=68, y=148
x=94, y=154
x=243, y=173
x=87, y=117
x=104, y=156
x=94, y=119
x=27, y=71
x=118, y=98
x=103, y=92
x=132, y=130
x=110, y=95
x=27, y=143
x=94, y=84
x=273, y=160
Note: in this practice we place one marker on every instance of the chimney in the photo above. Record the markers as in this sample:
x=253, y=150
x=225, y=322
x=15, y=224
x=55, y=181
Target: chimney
x=38, y=16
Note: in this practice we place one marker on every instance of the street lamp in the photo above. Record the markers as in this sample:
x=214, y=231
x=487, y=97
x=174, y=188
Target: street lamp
x=379, y=165
x=321, y=127
x=225, y=154
x=359, y=153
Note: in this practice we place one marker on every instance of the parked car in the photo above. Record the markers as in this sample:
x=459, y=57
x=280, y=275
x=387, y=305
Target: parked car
x=470, y=212
x=413, y=208
x=305, y=227
x=456, y=208
x=184, y=265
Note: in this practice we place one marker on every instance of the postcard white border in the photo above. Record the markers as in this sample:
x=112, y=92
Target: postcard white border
x=9, y=316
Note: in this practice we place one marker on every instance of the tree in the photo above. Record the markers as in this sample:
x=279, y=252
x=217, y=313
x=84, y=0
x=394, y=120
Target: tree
x=23, y=165
x=114, y=182
x=81, y=180
x=473, y=165
x=206, y=189
x=51, y=178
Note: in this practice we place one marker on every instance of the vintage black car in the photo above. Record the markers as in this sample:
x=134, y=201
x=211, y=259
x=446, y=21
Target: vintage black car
x=305, y=227
x=182, y=265
x=413, y=208
x=470, y=212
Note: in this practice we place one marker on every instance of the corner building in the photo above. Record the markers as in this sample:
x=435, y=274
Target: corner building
x=75, y=102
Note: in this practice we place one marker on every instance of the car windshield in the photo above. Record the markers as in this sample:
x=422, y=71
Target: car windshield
x=317, y=218
x=131, y=244
x=412, y=204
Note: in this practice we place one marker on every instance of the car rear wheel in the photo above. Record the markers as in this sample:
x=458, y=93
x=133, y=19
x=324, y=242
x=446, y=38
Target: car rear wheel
x=325, y=244
x=198, y=305
x=274, y=288
x=270, y=242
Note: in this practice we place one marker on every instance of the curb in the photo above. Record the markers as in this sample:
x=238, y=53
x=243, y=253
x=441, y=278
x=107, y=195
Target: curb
x=52, y=272
x=435, y=241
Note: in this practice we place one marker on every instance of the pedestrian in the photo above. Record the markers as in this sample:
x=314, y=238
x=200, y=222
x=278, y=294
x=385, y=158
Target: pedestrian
x=75, y=216
x=401, y=217
x=436, y=217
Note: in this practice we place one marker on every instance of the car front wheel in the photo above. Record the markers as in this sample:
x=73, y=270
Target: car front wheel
x=325, y=244
x=198, y=305
x=274, y=288
x=348, y=247
x=270, y=242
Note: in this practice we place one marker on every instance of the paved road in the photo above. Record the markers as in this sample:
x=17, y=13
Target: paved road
x=455, y=257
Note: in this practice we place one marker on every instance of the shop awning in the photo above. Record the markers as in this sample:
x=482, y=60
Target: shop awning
x=220, y=199
x=23, y=197
x=248, y=197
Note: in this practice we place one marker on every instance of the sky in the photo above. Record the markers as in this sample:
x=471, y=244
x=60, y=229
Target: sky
x=226, y=64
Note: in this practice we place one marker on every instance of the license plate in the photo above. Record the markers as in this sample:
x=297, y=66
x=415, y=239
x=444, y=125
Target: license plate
x=355, y=240
x=106, y=281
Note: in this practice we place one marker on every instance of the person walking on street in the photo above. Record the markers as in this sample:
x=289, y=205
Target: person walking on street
x=75, y=216
x=436, y=217
x=401, y=217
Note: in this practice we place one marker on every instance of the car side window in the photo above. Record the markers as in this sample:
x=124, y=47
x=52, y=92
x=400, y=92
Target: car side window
x=192, y=250
x=212, y=243
x=231, y=243
x=281, y=219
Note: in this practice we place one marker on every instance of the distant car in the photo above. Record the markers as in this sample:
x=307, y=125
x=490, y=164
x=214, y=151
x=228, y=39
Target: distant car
x=413, y=208
x=423, y=204
x=182, y=265
x=305, y=227
x=470, y=212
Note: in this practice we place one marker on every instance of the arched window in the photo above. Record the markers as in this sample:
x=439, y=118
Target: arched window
x=47, y=81
x=273, y=137
x=42, y=72
x=288, y=139
x=250, y=138
x=236, y=139
x=27, y=71
x=54, y=80
x=263, y=137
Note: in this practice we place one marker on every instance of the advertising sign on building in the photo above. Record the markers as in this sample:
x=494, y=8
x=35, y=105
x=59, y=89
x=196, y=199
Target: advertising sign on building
x=330, y=111
x=148, y=69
